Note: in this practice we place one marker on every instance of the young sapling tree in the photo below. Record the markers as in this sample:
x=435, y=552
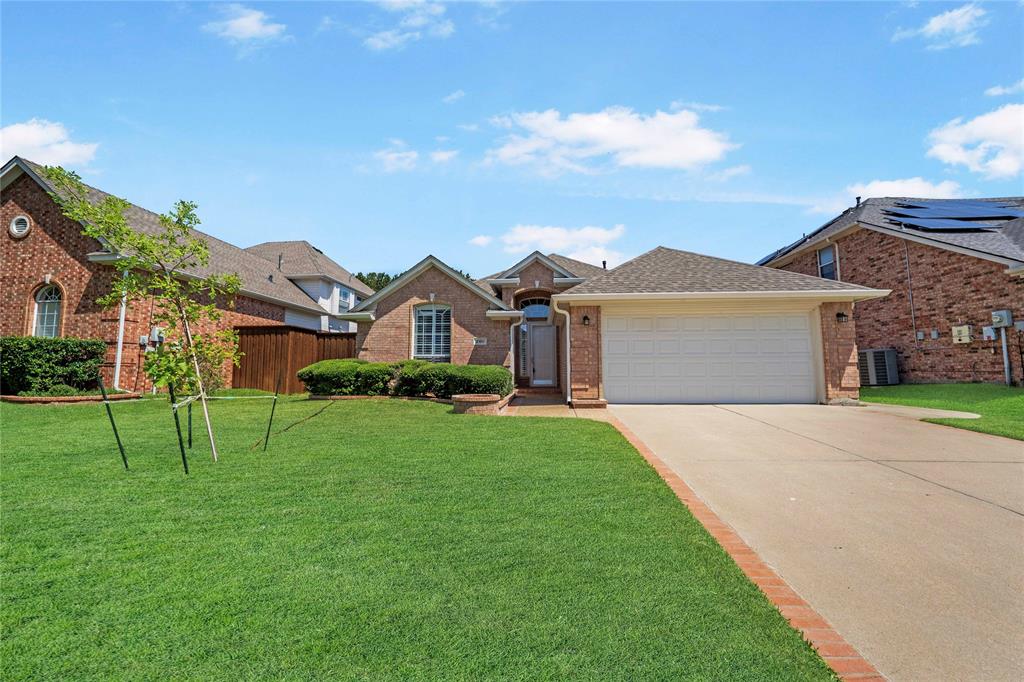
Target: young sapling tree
x=162, y=266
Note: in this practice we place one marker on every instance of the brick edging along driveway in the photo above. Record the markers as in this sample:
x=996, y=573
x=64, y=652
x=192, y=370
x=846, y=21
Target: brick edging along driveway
x=830, y=645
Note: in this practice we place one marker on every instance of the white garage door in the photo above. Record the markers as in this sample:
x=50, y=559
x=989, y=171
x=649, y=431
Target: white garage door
x=756, y=358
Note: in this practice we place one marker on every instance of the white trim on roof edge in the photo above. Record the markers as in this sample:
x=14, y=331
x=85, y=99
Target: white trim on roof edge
x=419, y=269
x=366, y=316
x=536, y=255
x=817, y=295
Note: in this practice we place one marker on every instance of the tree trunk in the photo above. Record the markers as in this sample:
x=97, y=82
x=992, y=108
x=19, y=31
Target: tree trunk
x=199, y=381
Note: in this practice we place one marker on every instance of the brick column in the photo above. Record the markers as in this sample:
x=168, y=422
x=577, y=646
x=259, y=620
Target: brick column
x=586, y=352
x=839, y=350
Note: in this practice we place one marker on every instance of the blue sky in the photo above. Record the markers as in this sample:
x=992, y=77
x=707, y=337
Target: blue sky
x=477, y=132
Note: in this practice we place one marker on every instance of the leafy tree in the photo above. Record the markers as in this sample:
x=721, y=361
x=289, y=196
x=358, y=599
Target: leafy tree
x=379, y=280
x=376, y=280
x=156, y=267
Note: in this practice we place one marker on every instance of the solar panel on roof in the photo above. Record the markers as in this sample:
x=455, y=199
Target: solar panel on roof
x=961, y=213
x=948, y=223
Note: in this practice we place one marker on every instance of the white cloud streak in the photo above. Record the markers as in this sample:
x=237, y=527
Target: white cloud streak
x=589, y=244
x=246, y=27
x=44, y=142
x=396, y=158
x=991, y=144
x=443, y=155
x=417, y=19
x=1002, y=90
x=617, y=135
x=481, y=240
x=916, y=187
x=453, y=97
x=956, y=28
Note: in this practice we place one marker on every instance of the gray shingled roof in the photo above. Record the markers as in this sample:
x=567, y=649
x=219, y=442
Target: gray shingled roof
x=302, y=258
x=577, y=267
x=258, y=276
x=1007, y=243
x=665, y=270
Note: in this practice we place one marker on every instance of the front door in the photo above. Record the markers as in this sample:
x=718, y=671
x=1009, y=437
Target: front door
x=543, y=366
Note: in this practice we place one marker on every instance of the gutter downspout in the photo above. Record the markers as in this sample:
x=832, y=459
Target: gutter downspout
x=910, y=292
x=120, y=338
x=568, y=351
x=512, y=349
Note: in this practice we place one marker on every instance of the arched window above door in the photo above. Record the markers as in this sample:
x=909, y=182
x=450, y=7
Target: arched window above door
x=535, y=308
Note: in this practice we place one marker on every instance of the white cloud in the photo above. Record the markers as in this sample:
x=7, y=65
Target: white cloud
x=729, y=173
x=453, y=97
x=246, y=27
x=588, y=244
x=443, y=155
x=1000, y=90
x=908, y=187
x=697, y=106
x=396, y=157
x=955, y=28
x=469, y=127
x=417, y=19
x=992, y=143
x=44, y=142
x=617, y=134
x=481, y=240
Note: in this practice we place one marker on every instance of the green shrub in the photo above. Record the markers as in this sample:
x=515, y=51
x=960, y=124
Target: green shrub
x=405, y=378
x=31, y=363
x=443, y=380
x=347, y=377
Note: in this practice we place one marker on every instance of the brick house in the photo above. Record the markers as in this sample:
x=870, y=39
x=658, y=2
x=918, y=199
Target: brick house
x=666, y=327
x=949, y=263
x=51, y=275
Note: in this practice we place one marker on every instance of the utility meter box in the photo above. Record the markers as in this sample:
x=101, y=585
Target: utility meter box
x=988, y=333
x=1002, y=318
x=962, y=333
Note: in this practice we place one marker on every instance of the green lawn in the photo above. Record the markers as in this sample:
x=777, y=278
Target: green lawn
x=1001, y=408
x=375, y=540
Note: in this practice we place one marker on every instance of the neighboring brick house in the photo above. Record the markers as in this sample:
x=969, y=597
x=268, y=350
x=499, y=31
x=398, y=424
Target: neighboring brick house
x=51, y=275
x=334, y=288
x=666, y=327
x=948, y=263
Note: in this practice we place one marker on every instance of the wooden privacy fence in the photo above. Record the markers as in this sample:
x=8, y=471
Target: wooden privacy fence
x=269, y=351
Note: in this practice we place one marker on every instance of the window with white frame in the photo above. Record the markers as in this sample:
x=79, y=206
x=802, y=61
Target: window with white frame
x=827, y=262
x=432, y=339
x=46, y=317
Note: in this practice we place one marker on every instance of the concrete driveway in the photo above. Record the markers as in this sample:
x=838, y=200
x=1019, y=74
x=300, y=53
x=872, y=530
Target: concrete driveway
x=908, y=537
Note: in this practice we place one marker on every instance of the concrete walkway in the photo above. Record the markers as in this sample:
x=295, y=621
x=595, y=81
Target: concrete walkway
x=908, y=537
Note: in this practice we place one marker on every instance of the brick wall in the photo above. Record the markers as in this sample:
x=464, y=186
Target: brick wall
x=55, y=246
x=839, y=352
x=389, y=338
x=586, y=352
x=948, y=289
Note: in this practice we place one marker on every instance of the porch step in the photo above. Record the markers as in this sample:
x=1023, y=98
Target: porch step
x=538, y=390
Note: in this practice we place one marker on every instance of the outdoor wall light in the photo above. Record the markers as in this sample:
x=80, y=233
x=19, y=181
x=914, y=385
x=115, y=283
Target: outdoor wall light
x=842, y=317
x=586, y=320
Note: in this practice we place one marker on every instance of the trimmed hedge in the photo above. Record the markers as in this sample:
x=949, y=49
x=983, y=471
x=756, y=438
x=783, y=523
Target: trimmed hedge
x=404, y=378
x=346, y=377
x=443, y=380
x=37, y=364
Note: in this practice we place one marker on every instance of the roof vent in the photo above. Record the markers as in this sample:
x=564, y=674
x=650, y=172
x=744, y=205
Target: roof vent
x=604, y=264
x=280, y=260
x=270, y=277
x=20, y=226
x=858, y=201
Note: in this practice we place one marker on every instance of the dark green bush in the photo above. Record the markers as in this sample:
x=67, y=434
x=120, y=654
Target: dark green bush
x=404, y=378
x=443, y=380
x=37, y=364
x=347, y=377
